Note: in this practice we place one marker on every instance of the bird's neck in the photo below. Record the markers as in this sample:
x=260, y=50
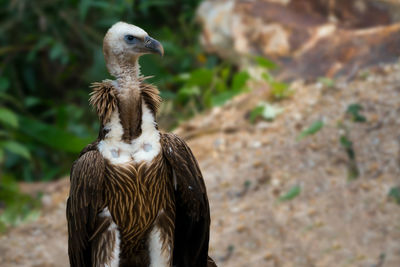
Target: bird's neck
x=130, y=103
x=127, y=109
x=125, y=70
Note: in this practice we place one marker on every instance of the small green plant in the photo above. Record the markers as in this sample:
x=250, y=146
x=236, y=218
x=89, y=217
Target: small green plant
x=354, y=110
x=279, y=90
x=394, y=194
x=352, y=168
x=327, y=82
x=293, y=192
x=315, y=127
x=265, y=111
x=352, y=115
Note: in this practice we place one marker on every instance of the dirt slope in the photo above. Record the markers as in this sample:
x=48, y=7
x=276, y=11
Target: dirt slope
x=333, y=222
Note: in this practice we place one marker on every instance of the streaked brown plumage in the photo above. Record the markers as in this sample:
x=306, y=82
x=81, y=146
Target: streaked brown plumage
x=136, y=212
x=137, y=193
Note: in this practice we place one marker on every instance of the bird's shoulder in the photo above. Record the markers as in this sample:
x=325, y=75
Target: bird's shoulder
x=186, y=170
x=89, y=165
x=173, y=143
x=176, y=150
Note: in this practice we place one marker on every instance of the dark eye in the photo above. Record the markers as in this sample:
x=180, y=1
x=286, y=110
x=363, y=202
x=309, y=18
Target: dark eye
x=130, y=39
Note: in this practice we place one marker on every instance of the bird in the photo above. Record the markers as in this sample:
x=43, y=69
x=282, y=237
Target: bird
x=137, y=195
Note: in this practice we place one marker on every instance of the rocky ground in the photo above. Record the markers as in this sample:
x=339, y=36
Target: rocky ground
x=247, y=167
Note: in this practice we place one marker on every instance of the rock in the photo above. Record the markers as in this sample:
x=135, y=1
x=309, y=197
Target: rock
x=308, y=38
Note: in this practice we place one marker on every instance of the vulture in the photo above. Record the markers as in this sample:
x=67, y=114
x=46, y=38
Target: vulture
x=137, y=196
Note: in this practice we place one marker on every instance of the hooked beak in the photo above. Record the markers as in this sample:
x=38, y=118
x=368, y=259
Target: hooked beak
x=153, y=46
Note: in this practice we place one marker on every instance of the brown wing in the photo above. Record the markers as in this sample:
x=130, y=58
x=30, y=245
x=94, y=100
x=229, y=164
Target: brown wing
x=192, y=223
x=84, y=203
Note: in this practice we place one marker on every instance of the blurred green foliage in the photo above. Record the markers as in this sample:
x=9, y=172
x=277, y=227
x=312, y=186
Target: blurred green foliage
x=207, y=87
x=51, y=50
x=19, y=207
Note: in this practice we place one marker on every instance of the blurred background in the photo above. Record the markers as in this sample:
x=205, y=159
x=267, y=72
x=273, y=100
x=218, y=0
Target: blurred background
x=292, y=108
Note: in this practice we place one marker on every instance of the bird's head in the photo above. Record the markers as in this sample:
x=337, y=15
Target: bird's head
x=124, y=44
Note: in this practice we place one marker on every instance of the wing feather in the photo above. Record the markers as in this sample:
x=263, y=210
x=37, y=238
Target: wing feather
x=84, y=203
x=192, y=223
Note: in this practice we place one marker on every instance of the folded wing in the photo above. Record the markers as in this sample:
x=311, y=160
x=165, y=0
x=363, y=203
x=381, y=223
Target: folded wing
x=83, y=206
x=192, y=224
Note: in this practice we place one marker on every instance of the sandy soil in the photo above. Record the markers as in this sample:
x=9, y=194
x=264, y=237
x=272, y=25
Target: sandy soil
x=333, y=221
